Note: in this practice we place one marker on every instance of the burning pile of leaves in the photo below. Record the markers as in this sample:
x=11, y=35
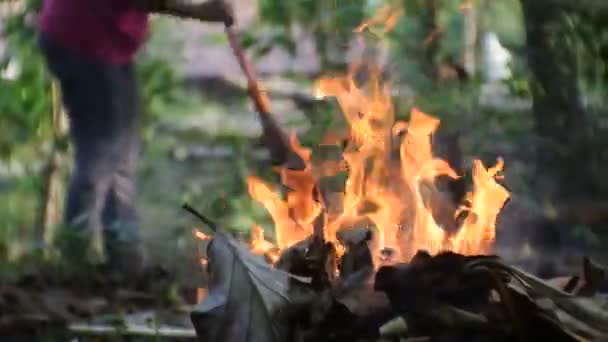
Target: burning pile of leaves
x=300, y=298
x=388, y=252
x=350, y=263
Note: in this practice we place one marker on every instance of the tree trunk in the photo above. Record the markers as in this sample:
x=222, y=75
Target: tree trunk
x=470, y=38
x=561, y=121
x=50, y=213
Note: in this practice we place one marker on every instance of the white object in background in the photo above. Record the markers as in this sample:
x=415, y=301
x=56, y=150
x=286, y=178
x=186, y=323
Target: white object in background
x=11, y=72
x=495, y=59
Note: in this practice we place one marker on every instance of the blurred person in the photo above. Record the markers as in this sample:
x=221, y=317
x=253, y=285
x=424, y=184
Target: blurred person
x=90, y=47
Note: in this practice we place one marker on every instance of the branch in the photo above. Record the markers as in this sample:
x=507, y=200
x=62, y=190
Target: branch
x=133, y=330
x=212, y=225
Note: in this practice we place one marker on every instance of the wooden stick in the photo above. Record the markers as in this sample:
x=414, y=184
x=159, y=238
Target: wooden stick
x=260, y=100
x=275, y=139
x=133, y=330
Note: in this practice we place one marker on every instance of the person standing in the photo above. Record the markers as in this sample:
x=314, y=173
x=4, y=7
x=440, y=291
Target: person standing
x=90, y=47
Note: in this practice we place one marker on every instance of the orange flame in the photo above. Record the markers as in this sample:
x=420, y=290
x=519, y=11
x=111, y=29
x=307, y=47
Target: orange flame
x=292, y=217
x=398, y=196
x=257, y=241
x=200, y=235
x=391, y=174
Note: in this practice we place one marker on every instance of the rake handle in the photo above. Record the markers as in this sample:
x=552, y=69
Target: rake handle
x=274, y=137
x=260, y=100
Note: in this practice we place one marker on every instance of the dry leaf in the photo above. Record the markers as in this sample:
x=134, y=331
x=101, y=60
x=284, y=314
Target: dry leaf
x=248, y=301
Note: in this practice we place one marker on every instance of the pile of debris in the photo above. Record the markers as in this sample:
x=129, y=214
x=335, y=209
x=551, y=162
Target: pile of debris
x=301, y=298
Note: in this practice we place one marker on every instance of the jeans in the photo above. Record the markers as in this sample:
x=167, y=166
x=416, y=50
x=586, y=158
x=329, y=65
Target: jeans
x=103, y=106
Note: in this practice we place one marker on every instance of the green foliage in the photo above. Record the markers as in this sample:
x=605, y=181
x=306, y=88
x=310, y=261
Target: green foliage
x=588, y=36
x=160, y=87
x=25, y=101
x=16, y=209
x=263, y=47
x=325, y=20
x=329, y=16
x=519, y=84
x=504, y=17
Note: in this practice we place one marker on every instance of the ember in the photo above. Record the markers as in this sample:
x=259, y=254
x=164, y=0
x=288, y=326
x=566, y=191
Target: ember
x=200, y=235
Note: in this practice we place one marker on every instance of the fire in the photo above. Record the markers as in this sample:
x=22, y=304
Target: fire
x=294, y=216
x=397, y=194
x=257, y=241
x=391, y=177
x=200, y=235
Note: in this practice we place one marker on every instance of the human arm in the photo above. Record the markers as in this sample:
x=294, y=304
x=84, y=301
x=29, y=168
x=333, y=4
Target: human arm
x=213, y=11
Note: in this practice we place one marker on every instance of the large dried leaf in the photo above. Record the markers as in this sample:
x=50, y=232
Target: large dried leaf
x=586, y=284
x=580, y=318
x=593, y=276
x=249, y=301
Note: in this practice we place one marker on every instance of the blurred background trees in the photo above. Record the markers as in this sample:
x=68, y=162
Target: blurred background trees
x=523, y=79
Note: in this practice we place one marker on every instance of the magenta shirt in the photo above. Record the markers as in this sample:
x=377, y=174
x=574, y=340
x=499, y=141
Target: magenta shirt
x=105, y=30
